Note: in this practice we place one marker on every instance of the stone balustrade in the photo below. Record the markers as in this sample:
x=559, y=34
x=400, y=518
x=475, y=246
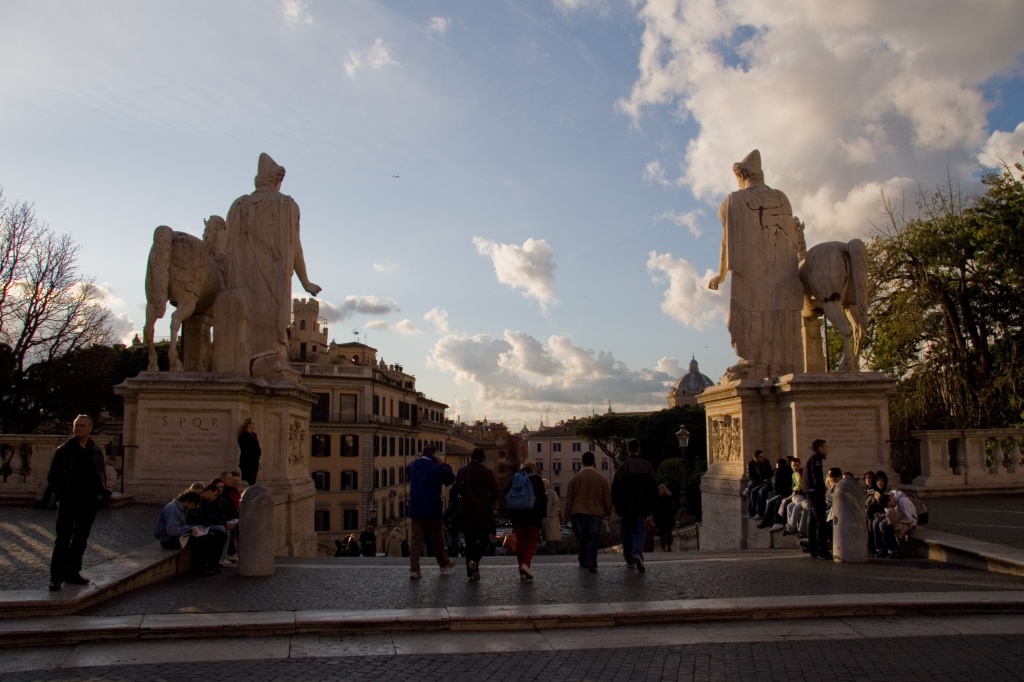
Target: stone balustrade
x=26, y=461
x=966, y=460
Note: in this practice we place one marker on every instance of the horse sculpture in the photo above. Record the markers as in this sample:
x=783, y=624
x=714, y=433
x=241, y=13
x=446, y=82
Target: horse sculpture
x=835, y=282
x=188, y=272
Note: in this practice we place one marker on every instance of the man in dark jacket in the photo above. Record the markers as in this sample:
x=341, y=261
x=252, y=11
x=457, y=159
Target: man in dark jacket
x=759, y=480
x=426, y=477
x=475, y=492
x=78, y=479
x=819, y=529
x=634, y=490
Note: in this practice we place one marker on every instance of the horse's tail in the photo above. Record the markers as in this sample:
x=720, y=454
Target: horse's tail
x=158, y=269
x=859, y=279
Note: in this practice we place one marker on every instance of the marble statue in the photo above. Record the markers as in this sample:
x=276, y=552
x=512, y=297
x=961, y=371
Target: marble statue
x=835, y=279
x=263, y=251
x=186, y=271
x=759, y=248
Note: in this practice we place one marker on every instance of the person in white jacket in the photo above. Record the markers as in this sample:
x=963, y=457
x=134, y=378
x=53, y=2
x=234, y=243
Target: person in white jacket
x=899, y=521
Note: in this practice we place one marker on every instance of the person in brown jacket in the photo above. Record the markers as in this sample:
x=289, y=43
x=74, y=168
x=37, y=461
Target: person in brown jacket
x=588, y=501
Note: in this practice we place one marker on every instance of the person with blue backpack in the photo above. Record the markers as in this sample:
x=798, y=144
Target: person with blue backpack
x=527, y=505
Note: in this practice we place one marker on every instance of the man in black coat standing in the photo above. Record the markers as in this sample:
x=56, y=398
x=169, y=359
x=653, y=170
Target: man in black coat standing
x=78, y=480
x=819, y=529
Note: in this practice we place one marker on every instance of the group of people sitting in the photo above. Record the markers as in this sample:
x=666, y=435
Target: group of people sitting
x=778, y=499
x=204, y=517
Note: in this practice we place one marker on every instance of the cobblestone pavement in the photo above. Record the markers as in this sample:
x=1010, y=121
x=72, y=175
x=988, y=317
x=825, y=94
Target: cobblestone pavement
x=328, y=584
x=27, y=540
x=951, y=659
x=992, y=518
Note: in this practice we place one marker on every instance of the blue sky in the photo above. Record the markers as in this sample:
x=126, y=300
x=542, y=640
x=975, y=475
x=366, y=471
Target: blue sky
x=546, y=247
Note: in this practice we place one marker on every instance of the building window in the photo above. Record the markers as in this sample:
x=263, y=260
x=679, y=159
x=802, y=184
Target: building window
x=322, y=481
x=540, y=466
x=401, y=509
x=350, y=446
x=556, y=447
x=376, y=479
x=349, y=480
x=401, y=475
x=392, y=446
x=347, y=406
x=302, y=325
x=350, y=519
x=556, y=466
x=376, y=404
x=376, y=446
x=321, y=520
x=322, y=409
x=604, y=465
x=401, y=447
x=576, y=465
x=577, y=447
x=538, y=447
x=320, y=444
x=558, y=490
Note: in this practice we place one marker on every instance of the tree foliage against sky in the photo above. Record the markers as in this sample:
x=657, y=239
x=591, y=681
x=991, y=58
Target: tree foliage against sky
x=947, y=307
x=656, y=432
x=48, y=312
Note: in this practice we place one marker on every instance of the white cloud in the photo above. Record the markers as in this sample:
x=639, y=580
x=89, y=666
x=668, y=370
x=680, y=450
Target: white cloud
x=1003, y=147
x=600, y=6
x=530, y=267
x=122, y=328
x=352, y=305
x=688, y=298
x=295, y=12
x=407, y=328
x=439, y=25
x=835, y=96
x=105, y=294
x=517, y=372
x=655, y=173
x=687, y=220
x=670, y=366
x=386, y=266
x=439, y=318
x=377, y=57
x=377, y=325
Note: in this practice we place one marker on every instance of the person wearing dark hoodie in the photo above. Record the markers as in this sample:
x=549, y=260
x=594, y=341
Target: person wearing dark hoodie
x=782, y=487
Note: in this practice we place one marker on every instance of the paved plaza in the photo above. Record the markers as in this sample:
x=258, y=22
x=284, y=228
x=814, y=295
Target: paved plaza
x=953, y=644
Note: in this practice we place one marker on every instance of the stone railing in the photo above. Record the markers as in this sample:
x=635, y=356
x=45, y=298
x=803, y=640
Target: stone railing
x=965, y=460
x=26, y=461
x=313, y=369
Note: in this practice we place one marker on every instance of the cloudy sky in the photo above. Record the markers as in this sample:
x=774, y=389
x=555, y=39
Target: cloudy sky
x=544, y=249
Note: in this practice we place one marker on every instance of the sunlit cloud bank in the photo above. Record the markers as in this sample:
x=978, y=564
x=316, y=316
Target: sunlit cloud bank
x=844, y=101
x=295, y=12
x=352, y=305
x=530, y=267
x=517, y=372
x=404, y=327
x=687, y=298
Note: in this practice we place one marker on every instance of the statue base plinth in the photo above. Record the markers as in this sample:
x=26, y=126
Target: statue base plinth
x=182, y=427
x=783, y=417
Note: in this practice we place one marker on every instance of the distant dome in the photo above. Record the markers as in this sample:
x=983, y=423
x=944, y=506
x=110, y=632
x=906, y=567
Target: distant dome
x=688, y=387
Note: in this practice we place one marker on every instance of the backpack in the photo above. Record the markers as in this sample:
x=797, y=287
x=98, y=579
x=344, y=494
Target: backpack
x=520, y=495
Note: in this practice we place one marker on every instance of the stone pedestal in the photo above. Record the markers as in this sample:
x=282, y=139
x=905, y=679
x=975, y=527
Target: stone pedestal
x=256, y=532
x=783, y=417
x=182, y=427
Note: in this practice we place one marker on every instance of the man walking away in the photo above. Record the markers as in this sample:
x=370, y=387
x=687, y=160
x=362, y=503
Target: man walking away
x=426, y=477
x=588, y=501
x=634, y=490
x=78, y=479
x=474, y=493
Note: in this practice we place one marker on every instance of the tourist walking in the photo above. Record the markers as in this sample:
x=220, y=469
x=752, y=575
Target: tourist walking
x=474, y=494
x=588, y=501
x=633, y=493
x=426, y=476
x=527, y=506
x=249, y=452
x=78, y=480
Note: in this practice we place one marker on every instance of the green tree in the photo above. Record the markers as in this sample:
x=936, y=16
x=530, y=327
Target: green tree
x=946, y=312
x=656, y=432
x=672, y=473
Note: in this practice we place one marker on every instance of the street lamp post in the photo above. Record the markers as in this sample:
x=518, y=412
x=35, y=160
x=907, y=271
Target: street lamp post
x=683, y=436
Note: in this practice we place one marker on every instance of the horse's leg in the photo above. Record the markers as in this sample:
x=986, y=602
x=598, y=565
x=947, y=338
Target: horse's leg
x=152, y=315
x=186, y=306
x=834, y=313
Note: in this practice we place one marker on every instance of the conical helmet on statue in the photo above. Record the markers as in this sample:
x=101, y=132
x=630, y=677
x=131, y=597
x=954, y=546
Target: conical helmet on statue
x=751, y=162
x=268, y=171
